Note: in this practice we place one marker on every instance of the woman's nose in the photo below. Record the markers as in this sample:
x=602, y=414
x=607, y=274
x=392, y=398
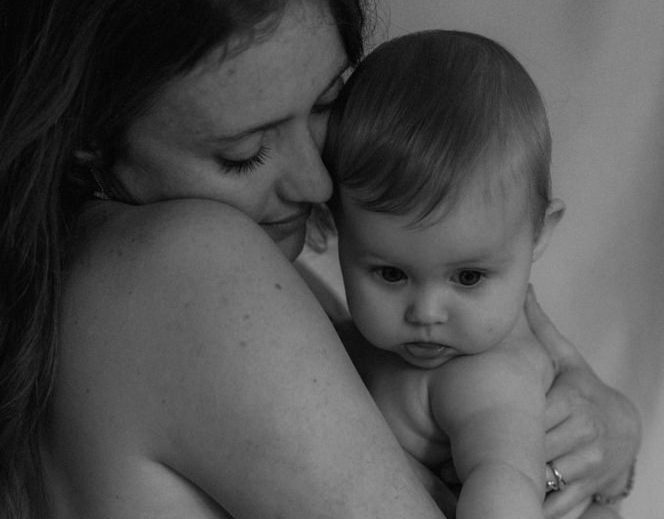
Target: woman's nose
x=305, y=178
x=427, y=308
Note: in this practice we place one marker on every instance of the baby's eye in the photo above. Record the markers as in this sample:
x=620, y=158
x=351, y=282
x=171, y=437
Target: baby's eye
x=391, y=274
x=468, y=278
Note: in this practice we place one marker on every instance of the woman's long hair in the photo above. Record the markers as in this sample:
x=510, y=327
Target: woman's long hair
x=76, y=74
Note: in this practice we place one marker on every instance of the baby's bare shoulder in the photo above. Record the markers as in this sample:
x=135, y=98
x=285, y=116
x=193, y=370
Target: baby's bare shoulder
x=514, y=373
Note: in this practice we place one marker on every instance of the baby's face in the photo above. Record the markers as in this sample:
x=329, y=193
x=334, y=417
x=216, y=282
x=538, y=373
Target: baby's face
x=429, y=293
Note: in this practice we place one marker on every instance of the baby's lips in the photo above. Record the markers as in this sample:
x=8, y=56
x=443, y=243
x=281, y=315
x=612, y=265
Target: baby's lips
x=424, y=350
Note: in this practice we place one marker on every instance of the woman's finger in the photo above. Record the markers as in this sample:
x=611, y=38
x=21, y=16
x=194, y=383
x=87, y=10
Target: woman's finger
x=581, y=471
x=557, y=407
x=572, y=499
x=572, y=421
x=558, y=441
x=559, y=348
x=569, y=504
x=573, y=468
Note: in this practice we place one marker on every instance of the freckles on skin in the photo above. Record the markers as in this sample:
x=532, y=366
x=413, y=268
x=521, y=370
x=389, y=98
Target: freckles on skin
x=257, y=97
x=193, y=103
x=231, y=71
x=241, y=69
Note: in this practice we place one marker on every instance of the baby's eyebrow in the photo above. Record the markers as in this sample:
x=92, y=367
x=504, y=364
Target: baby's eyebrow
x=488, y=257
x=486, y=263
x=371, y=258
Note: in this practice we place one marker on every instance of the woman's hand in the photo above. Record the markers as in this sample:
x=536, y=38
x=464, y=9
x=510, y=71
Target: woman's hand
x=593, y=431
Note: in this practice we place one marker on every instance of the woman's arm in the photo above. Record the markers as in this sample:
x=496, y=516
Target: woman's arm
x=243, y=387
x=593, y=431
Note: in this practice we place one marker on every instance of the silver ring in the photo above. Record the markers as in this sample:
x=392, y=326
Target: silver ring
x=557, y=483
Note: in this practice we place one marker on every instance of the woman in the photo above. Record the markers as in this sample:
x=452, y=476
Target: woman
x=160, y=356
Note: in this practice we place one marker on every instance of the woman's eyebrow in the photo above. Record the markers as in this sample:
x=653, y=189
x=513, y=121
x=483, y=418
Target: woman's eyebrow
x=238, y=136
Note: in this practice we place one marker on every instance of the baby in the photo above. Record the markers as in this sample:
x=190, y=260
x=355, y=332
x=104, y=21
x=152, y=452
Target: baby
x=439, y=147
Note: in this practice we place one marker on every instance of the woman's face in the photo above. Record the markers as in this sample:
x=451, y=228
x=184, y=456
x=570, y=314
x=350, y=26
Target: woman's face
x=246, y=130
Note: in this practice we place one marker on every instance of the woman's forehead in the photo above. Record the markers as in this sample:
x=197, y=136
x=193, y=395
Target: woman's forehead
x=275, y=77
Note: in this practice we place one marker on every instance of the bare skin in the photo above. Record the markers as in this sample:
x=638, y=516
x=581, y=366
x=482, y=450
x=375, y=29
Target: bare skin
x=184, y=389
x=168, y=401
x=159, y=364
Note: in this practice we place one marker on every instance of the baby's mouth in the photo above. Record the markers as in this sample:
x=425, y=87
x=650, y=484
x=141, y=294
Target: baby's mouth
x=425, y=350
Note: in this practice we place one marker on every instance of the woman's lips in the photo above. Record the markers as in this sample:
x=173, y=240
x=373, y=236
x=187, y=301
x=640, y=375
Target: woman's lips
x=285, y=227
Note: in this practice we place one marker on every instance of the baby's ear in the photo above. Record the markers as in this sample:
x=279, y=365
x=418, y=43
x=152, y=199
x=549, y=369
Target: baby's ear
x=554, y=213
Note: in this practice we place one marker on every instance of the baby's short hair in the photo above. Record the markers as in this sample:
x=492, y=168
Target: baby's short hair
x=423, y=111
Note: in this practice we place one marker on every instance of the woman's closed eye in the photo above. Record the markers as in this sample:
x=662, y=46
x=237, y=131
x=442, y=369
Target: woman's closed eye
x=247, y=165
x=468, y=278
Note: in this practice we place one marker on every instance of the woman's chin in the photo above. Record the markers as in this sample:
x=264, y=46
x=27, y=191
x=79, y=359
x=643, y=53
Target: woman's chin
x=292, y=245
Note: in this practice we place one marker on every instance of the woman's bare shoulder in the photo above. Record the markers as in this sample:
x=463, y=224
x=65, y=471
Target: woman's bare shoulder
x=191, y=342
x=153, y=262
x=128, y=254
x=183, y=290
x=119, y=235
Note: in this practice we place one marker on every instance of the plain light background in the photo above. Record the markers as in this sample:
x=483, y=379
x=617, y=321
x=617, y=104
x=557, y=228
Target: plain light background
x=600, y=67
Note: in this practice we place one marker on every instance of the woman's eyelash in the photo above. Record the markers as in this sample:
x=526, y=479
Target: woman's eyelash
x=245, y=165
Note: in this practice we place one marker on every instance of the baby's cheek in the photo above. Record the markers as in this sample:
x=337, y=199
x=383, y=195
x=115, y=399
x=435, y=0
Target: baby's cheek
x=375, y=320
x=375, y=325
x=490, y=328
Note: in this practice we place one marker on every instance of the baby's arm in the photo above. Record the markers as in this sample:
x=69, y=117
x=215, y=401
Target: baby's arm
x=492, y=407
